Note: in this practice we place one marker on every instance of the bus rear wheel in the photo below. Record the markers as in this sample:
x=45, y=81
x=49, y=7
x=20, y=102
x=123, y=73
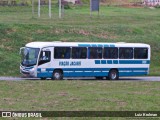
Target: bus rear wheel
x=113, y=75
x=57, y=75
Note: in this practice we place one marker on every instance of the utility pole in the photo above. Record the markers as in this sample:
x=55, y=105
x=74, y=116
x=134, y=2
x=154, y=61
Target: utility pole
x=32, y=8
x=39, y=8
x=60, y=9
x=50, y=8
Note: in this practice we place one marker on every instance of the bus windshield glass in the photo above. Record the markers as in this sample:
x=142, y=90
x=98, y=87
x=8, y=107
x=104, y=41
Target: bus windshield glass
x=29, y=56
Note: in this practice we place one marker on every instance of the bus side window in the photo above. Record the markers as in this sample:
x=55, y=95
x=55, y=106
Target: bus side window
x=62, y=52
x=125, y=53
x=79, y=52
x=83, y=54
x=99, y=53
x=45, y=57
x=56, y=53
x=67, y=52
x=95, y=53
x=140, y=53
x=110, y=53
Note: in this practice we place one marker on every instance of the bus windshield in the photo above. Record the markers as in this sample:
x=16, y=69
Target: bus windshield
x=29, y=56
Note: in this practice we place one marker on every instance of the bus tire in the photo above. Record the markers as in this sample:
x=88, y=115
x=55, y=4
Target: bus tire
x=113, y=74
x=57, y=75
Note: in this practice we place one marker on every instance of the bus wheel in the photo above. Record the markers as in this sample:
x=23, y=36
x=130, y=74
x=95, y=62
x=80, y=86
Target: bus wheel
x=113, y=75
x=57, y=75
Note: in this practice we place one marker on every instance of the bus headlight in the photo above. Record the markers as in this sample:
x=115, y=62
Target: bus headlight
x=32, y=71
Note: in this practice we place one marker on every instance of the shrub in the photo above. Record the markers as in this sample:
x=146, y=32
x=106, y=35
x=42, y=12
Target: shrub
x=157, y=6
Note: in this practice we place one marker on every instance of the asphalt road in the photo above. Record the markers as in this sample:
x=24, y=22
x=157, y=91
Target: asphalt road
x=148, y=78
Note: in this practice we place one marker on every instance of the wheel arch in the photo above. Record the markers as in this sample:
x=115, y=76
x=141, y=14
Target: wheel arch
x=58, y=69
x=114, y=69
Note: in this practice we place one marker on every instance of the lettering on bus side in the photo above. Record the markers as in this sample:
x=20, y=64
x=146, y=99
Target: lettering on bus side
x=75, y=63
x=71, y=63
x=63, y=63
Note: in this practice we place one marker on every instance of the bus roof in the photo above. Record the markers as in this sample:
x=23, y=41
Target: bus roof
x=84, y=44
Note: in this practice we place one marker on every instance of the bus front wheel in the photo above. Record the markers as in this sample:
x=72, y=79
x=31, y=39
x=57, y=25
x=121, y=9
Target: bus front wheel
x=57, y=75
x=113, y=75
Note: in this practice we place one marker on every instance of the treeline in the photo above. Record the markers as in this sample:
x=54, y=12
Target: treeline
x=45, y=2
x=115, y=2
x=22, y=2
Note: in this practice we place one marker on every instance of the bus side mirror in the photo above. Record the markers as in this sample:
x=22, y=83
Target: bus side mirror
x=21, y=49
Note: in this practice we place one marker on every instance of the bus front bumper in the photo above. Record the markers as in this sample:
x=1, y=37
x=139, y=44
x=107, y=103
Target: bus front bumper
x=27, y=71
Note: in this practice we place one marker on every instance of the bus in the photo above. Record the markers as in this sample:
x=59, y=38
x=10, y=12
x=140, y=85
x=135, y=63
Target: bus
x=57, y=60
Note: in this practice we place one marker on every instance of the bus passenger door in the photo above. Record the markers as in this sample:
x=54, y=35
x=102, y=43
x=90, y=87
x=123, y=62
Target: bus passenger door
x=44, y=64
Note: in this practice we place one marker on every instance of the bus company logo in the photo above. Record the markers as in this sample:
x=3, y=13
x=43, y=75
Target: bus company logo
x=6, y=114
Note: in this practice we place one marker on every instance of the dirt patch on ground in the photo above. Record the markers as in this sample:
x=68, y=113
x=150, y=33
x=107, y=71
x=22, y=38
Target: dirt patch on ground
x=73, y=99
x=40, y=31
x=131, y=6
x=63, y=94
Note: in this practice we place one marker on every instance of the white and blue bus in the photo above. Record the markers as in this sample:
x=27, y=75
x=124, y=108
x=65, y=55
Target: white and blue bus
x=79, y=59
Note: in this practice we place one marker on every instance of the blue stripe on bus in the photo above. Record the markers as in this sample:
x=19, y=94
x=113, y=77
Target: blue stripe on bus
x=90, y=74
x=112, y=45
x=122, y=61
x=109, y=61
x=106, y=45
x=97, y=62
x=132, y=73
x=132, y=69
x=39, y=69
x=73, y=72
x=96, y=45
x=85, y=69
x=91, y=69
x=83, y=74
x=49, y=69
x=134, y=61
x=84, y=45
x=102, y=69
x=99, y=45
x=115, y=61
x=103, y=62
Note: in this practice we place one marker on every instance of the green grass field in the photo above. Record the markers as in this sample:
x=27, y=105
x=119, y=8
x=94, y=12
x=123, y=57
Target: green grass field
x=79, y=95
x=114, y=24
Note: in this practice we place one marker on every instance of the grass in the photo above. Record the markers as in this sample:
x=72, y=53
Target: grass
x=114, y=24
x=79, y=95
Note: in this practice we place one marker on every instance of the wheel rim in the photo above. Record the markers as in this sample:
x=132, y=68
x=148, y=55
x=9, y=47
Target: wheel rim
x=113, y=75
x=57, y=75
